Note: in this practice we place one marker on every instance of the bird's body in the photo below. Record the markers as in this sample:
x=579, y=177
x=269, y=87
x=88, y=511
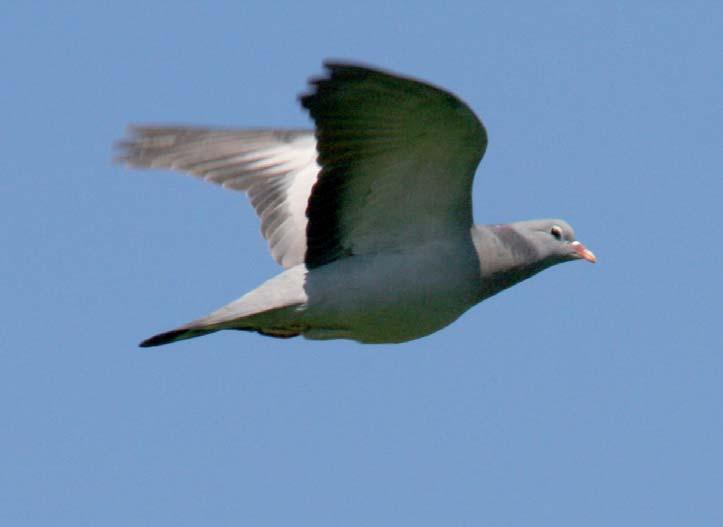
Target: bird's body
x=371, y=216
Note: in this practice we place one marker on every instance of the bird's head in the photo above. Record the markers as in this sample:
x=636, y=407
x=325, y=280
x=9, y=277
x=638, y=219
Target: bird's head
x=554, y=241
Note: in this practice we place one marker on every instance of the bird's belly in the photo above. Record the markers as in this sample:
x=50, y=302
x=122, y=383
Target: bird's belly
x=388, y=299
x=393, y=322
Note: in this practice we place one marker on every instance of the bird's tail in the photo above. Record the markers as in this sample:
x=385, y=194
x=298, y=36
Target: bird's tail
x=266, y=323
x=174, y=335
x=272, y=309
x=183, y=333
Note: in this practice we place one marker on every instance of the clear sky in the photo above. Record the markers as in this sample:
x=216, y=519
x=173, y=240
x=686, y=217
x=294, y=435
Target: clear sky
x=589, y=395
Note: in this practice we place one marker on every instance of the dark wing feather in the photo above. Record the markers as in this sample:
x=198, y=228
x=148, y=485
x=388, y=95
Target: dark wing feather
x=397, y=160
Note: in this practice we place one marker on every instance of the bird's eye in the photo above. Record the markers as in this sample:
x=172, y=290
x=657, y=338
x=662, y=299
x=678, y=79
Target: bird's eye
x=556, y=231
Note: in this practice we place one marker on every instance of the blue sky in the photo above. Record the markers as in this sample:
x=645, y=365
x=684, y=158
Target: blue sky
x=589, y=395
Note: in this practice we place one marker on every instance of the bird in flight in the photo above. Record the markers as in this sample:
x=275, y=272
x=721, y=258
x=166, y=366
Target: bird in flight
x=369, y=214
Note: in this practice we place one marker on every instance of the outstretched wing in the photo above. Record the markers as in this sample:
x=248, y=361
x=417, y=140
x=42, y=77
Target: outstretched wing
x=397, y=160
x=276, y=168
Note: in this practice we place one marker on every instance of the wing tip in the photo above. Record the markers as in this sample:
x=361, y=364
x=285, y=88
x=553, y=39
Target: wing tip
x=337, y=69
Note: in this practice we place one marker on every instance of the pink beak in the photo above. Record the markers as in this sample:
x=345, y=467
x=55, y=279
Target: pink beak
x=584, y=253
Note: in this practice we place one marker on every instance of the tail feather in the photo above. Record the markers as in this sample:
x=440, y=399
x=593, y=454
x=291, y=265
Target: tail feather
x=263, y=310
x=174, y=336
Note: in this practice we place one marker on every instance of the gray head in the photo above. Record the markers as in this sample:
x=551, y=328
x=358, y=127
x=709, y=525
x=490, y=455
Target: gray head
x=553, y=240
x=514, y=252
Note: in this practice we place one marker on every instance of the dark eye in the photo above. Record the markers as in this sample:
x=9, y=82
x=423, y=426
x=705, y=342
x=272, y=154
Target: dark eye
x=556, y=231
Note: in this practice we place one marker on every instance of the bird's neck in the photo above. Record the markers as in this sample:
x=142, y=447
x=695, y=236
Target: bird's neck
x=505, y=257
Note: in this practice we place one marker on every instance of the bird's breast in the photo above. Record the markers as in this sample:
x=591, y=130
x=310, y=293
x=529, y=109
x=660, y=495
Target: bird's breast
x=394, y=296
